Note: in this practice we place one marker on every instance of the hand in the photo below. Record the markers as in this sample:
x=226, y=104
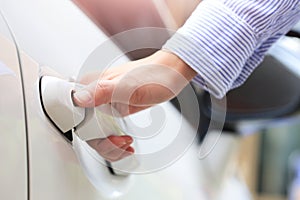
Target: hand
x=136, y=85
x=113, y=148
x=132, y=87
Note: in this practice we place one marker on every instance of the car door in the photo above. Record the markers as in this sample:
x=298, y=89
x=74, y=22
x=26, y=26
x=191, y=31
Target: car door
x=13, y=145
x=56, y=172
x=57, y=34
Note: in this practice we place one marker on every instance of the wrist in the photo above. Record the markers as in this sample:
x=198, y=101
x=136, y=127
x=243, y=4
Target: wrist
x=173, y=61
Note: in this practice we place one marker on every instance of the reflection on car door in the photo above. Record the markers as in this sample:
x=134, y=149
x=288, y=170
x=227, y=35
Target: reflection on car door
x=13, y=167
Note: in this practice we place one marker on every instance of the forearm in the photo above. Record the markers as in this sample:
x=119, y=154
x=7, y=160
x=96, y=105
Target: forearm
x=224, y=40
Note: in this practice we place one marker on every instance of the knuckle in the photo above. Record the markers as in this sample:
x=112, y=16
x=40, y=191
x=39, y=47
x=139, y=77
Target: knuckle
x=102, y=91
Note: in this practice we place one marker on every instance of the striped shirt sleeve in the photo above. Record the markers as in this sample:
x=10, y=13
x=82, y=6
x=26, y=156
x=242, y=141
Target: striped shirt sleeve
x=224, y=40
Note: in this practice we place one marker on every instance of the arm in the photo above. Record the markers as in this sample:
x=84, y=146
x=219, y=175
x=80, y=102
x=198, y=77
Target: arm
x=137, y=85
x=218, y=47
x=224, y=40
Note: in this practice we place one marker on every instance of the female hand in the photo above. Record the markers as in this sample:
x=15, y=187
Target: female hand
x=132, y=87
x=136, y=85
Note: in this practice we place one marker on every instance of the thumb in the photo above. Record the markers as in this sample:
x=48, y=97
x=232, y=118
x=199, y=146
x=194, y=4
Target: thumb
x=95, y=94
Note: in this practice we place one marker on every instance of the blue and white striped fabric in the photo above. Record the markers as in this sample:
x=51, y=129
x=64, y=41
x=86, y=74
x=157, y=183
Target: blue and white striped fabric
x=225, y=40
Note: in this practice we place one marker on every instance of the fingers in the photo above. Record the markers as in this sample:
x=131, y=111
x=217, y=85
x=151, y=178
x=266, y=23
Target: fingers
x=96, y=93
x=145, y=82
x=110, y=143
x=113, y=148
x=118, y=154
x=140, y=87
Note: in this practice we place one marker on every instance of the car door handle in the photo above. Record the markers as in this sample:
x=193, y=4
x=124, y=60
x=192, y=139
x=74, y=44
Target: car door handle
x=87, y=124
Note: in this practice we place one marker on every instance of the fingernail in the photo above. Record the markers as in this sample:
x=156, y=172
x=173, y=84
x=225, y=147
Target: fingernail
x=130, y=150
x=128, y=140
x=83, y=97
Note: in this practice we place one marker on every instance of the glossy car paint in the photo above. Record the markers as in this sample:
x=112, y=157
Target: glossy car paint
x=57, y=34
x=55, y=171
x=13, y=167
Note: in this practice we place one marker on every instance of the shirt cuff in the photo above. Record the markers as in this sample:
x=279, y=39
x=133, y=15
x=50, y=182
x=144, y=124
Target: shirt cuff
x=216, y=43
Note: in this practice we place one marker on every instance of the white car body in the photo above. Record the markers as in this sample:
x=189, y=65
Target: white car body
x=37, y=162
